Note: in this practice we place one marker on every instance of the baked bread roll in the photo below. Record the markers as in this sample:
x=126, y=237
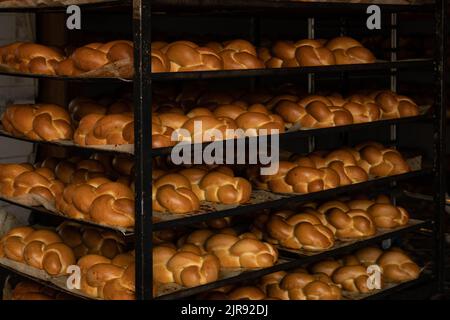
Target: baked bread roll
x=80, y=107
x=352, y=224
x=368, y=256
x=388, y=216
x=173, y=192
x=185, y=56
x=99, y=200
x=74, y=169
x=237, y=55
x=186, y=268
x=328, y=267
x=38, y=248
x=95, y=56
x=299, y=231
x=349, y=51
x=239, y=293
x=89, y=240
x=17, y=180
x=108, y=279
x=31, y=58
x=363, y=108
x=46, y=122
x=96, y=129
x=397, y=266
x=303, y=286
x=352, y=278
x=29, y=290
x=241, y=252
x=382, y=162
x=395, y=106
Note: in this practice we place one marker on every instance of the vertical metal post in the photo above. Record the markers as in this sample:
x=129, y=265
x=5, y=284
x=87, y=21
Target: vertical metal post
x=143, y=160
x=255, y=38
x=440, y=139
x=393, y=76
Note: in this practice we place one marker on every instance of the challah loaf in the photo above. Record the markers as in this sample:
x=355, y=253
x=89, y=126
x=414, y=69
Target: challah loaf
x=99, y=200
x=46, y=122
x=80, y=107
x=299, y=231
x=241, y=252
x=349, y=51
x=239, y=293
x=237, y=54
x=381, y=162
x=395, y=106
x=350, y=224
x=187, y=268
x=397, y=266
x=18, y=180
x=31, y=58
x=352, y=278
x=114, y=129
x=95, y=56
x=89, y=240
x=38, y=248
x=108, y=279
x=303, y=286
x=74, y=169
x=29, y=290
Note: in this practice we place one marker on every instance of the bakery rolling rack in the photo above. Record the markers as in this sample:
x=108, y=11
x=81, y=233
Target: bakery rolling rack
x=143, y=12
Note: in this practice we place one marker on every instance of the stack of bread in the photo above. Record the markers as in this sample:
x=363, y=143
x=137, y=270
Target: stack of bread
x=331, y=279
x=350, y=272
x=328, y=111
x=39, y=59
x=108, y=279
x=198, y=257
x=181, y=190
x=39, y=248
x=308, y=53
x=29, y=290
x=86, y=240
x=207, y=124
x=317, y=227
x=320, y=171
x=30, y=185
x=182, y=56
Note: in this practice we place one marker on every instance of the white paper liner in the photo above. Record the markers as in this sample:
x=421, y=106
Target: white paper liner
x=225, y=273
x=30, y=271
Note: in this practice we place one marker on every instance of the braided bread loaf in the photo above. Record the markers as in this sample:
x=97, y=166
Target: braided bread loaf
x=314, y=112
x=80, y=107
x=99, y=200
x=187, y=267
x=18, y=180
x=237, y=54
x=397, y=266
x=95, y=56
x=241, y=252
x=38, y=248
x=108, y=279
x=38, y=122
x=96, y=129
x=395, y=106
x=349, y=51
x=379, y=161
x=74, y=169
x=89, y=240
x=300, y=285
x=29, y=290
x=31, y=58
x=299, y=231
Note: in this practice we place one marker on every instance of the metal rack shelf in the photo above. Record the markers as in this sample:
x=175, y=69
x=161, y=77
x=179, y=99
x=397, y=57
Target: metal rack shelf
x=283, y=199
x=222, y=74
x=64, y=78
x=294, y=263
x=313, y=132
